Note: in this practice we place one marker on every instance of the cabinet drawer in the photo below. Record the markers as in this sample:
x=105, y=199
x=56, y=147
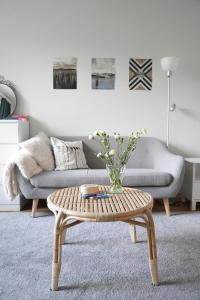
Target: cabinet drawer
x=6, y=151
x=6, y=202
x=9, y=133
x=196, y=190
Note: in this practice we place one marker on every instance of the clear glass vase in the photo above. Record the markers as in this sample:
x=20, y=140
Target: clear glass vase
x=115, y=174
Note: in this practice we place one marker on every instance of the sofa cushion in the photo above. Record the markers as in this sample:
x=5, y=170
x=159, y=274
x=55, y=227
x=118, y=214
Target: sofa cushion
x=146, y=177
x=68, y=155
x=132, y=177
x=39, y=148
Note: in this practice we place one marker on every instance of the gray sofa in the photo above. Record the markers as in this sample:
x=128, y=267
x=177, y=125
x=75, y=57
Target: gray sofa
x=151, y=168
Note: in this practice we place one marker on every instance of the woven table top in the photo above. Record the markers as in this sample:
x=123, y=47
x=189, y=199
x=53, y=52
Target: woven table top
x=120, y=206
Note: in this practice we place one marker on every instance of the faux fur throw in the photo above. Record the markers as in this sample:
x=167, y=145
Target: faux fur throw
x=35, y=156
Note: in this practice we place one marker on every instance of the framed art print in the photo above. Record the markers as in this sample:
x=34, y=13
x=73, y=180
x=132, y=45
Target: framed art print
x=65, y=73
x=140, y=74
x=103, y=73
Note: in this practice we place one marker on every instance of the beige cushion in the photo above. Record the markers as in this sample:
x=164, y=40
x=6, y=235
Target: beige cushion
x=26, y=164
x=39, y=148
x=68, y=155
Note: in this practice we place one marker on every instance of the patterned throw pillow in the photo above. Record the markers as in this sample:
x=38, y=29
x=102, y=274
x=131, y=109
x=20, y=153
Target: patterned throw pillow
x=68, y=155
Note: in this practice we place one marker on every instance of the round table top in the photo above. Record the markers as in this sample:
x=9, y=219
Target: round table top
x=130, y=203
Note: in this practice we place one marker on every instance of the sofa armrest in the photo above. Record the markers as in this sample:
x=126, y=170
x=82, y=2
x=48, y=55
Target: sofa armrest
x=169, y=162
x=172, y=164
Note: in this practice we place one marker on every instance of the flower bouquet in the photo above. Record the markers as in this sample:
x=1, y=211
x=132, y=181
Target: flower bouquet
x=116, y=158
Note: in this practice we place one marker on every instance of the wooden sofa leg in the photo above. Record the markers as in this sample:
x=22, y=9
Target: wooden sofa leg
x=34, y=207
x=166, y=205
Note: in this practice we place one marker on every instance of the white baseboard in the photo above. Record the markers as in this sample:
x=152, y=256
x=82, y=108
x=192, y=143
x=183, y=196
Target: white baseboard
x=9, y=207
x=16, y=205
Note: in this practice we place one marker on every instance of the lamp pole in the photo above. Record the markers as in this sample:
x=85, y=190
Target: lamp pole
x=169, y=73
x=169, y=64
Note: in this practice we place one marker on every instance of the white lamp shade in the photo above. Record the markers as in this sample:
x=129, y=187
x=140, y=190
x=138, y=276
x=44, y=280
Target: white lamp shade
x=169, y=63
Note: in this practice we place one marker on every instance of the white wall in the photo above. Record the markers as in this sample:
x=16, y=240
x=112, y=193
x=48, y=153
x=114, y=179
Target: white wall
x=34, y=32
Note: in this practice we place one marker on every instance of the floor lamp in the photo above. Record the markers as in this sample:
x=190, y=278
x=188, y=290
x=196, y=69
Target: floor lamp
x=169, y=65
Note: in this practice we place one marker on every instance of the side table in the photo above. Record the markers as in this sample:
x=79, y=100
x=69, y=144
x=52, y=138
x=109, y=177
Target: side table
x=191, y=184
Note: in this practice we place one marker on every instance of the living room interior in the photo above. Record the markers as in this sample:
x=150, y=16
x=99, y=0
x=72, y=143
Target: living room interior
x=99, y=149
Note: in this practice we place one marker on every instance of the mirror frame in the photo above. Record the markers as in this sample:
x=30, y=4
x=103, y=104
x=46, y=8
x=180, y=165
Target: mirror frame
x=7, y=91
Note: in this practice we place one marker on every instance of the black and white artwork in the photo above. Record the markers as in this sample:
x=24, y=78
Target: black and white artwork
x=103, y=73
x=140, y=74
x=65, y=73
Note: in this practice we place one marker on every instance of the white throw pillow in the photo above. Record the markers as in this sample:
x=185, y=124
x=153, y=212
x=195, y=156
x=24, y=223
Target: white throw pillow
x=68, y=155
x=39, y=148
x=26, y=164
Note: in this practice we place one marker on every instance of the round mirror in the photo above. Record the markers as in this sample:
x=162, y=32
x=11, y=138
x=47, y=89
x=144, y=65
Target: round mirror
x=8, y=100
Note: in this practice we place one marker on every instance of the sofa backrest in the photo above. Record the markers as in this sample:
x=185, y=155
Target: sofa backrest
x=142, y=157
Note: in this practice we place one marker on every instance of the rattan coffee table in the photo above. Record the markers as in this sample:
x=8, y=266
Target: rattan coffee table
x=71, y=209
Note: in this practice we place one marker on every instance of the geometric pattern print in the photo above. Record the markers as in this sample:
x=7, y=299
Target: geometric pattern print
x=140, y=74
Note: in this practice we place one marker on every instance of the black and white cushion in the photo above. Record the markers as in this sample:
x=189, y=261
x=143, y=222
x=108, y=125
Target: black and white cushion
x=68, y=155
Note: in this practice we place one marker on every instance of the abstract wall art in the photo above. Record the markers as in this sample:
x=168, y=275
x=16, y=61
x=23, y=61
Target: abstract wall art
x=65, y=73
x=140, y=74
x=103, y=73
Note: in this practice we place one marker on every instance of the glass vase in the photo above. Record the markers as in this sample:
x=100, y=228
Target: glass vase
x=115, y=174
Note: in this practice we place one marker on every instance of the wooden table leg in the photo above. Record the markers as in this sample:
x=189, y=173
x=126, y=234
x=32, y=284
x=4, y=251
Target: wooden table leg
x=133, y=233
x=57, y=250
x=64, y=235
x=152, y=248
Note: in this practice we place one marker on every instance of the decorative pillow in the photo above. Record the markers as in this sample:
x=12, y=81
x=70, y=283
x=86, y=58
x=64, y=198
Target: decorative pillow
x=27, y=165
x=68, y=155
x=39, y=148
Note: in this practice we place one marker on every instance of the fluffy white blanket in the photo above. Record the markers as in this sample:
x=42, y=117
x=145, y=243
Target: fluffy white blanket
x=27, y=166
x=34, y=156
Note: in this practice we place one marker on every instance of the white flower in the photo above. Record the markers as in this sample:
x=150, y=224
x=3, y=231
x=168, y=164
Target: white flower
x=96, y=132
x=139, y=133
x=106, y=155
x=116, y=136
x=143, y=131
x=135, y=134
x=99, y=154
x=112, y=152
x=100, y=131
x=91, y=137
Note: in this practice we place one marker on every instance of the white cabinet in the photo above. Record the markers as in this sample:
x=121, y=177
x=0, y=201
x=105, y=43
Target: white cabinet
x=191, y=184
x=12, y=132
